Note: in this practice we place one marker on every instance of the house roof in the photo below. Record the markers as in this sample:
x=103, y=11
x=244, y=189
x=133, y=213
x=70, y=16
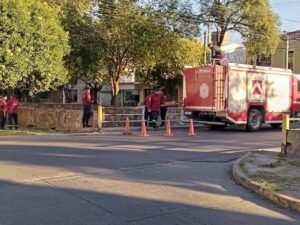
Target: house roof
x=295, y=35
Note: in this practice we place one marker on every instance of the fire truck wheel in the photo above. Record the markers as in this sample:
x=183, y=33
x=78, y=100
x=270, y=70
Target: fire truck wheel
x=254, y=120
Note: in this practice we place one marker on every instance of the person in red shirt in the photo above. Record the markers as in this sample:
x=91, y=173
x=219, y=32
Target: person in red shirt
x=3, y=110
x=87, y=103
x=12, y=110
x=147, y=112
x=156, y=103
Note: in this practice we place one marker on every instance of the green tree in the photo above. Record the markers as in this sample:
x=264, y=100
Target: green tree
x=33, y=45
x=167, y=71
x=253, y=19
x=85, y=61
x=130, y=37
x=174, y=15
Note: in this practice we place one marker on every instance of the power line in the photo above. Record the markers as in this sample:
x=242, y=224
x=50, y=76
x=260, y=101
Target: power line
x=290, y=20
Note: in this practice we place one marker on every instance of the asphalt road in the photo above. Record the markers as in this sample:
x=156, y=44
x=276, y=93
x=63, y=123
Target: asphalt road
x=112, y=179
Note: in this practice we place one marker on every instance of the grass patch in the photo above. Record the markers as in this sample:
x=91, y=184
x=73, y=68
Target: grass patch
x=294, y=162
x=278, y=162
x=13, y=132
x=272, y=181
x=243, y=167
x=27, y=131
x=251, y=158
x=269, y=182
x=271, y=165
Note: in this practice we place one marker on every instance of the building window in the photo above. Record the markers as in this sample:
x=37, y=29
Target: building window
x=291, y=58
x=131, y=97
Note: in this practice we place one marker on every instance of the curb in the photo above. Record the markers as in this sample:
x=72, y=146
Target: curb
x=242, y=179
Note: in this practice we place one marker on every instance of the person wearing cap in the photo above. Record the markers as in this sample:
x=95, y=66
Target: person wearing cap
x=3, y=110
x=156, y=103
x=87, y=104
x=12, y=111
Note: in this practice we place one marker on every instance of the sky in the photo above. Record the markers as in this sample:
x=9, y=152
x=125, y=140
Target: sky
x=289, y=13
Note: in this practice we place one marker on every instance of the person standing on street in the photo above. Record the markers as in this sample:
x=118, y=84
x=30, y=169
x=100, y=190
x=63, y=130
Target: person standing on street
x=147, y=112
x=12, y=110
x=87, y=104
x=163, y=108
x=156, y=103
x=3, y=110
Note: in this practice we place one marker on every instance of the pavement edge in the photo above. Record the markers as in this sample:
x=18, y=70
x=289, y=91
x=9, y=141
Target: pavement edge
x=242, y=179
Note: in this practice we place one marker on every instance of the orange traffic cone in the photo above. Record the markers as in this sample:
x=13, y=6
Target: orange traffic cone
x=127, y=127
x=168, y=132
x=144, y=130
x=192, y=131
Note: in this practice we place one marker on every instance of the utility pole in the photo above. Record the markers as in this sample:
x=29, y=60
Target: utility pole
x=205, y=47
x=286, y=38
x=287, y=52
x=209, y=32
x=209, y=40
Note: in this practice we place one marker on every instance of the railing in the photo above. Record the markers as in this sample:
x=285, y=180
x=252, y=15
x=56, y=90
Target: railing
x=285, y=128
x=136, y=118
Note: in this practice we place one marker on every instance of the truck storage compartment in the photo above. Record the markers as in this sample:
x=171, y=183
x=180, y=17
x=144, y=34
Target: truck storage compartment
x=205, y=87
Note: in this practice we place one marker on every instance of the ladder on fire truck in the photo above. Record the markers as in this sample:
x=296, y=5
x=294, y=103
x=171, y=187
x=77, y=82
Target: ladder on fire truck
x=219, y=80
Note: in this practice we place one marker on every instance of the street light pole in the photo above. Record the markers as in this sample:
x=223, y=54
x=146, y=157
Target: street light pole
x=286, y=51
x=205, y=48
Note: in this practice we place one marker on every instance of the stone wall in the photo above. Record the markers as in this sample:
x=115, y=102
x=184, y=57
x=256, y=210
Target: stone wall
x=68, y=117
x=54, y=116
x=293, y=143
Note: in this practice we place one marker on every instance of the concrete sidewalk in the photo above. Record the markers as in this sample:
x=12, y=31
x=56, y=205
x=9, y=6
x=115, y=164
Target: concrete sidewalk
x=271, y=175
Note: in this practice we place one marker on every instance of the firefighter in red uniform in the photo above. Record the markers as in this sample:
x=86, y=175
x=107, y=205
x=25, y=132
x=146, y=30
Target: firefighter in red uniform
x=163, y=108
x=12, y=110
x=87, y=104
x=156, y=103
x=3, y=109
x=147, y=112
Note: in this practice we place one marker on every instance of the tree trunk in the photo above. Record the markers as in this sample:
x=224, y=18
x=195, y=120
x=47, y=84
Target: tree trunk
x=114, y=91
x=95, y=91
x=221, y=37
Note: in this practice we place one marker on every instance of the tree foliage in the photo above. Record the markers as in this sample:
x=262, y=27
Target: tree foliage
x=167, y=71
x=172, y=14
x=85, y=61
x=253, y=19
x=111, y=39
x=130, y=37
x=33, y=45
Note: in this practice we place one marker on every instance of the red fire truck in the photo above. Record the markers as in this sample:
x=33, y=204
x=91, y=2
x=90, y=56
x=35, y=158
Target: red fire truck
x=240, y=94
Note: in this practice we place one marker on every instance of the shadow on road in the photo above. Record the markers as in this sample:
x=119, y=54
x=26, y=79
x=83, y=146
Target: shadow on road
x=115, y=181
x=37, y=204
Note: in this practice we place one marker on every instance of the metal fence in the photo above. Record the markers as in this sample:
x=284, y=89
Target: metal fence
x=174, y=114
